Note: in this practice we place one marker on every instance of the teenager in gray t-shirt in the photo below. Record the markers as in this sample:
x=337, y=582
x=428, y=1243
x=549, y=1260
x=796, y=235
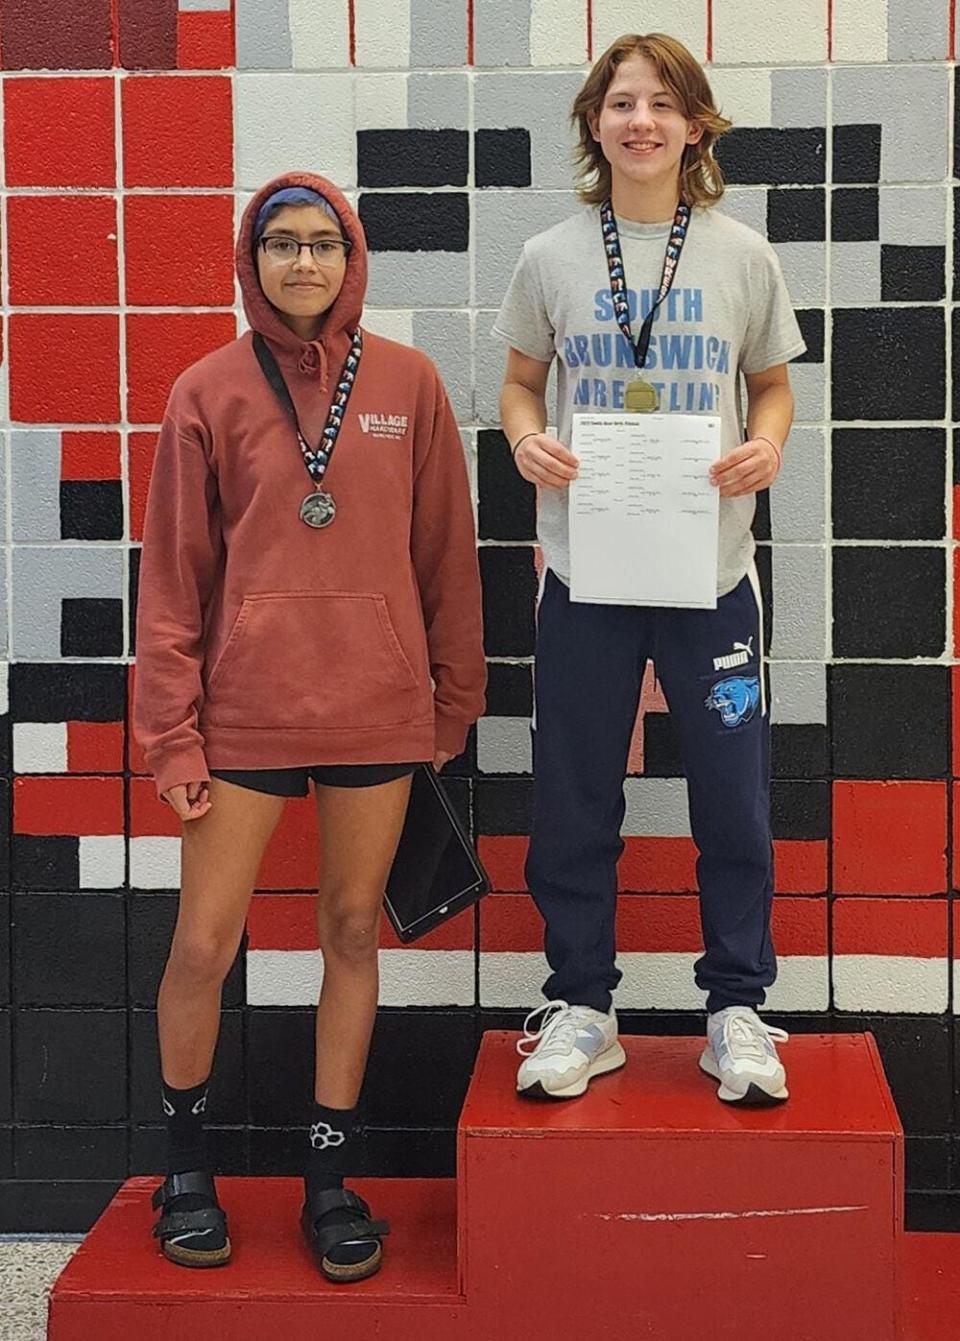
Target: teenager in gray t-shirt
x=647, y=123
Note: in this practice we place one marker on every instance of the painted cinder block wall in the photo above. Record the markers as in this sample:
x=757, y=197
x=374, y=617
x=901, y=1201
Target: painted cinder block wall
x=132, y=134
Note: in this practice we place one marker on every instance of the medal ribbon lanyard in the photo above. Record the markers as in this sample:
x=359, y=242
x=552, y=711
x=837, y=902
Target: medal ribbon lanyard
x=315, y=459
x=618, y=282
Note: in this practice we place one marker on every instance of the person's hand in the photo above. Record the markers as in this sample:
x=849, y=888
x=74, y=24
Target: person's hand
x=440, y=758
x=750, y=467
x=191, y=800
x=545, y=461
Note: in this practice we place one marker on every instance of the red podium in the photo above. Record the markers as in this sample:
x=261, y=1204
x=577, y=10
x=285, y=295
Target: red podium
x=646, y=1206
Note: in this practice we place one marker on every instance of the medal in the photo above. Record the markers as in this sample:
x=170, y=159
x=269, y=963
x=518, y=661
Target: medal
x=641, y=397
x=318, y=508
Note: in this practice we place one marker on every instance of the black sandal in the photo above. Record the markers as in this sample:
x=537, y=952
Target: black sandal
x=343, y=1238
x=182, y=1232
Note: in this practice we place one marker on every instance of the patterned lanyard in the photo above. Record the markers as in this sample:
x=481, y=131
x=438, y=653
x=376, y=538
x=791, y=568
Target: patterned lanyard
x=618, y=282
x=316, y=459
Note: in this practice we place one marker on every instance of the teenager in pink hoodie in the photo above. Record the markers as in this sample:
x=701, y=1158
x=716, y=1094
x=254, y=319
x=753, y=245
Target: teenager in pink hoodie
x=309, y=608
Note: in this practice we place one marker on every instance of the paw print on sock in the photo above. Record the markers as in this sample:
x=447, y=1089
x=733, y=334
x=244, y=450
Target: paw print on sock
x=168, y=1107
x=200, y=1106
x=323, y=1136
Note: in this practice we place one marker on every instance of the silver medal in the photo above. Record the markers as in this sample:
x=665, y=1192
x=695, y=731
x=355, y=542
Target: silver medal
x=318, y=509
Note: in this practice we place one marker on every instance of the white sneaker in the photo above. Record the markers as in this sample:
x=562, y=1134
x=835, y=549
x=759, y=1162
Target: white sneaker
x=741, y=1054
x=571, y=1046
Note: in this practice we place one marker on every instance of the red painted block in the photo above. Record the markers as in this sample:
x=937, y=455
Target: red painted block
x=59, y=132
x=889, y=837
x=177, y=131
x=86, y=388
x=65, y=805
x=179, y=250
x=955, y=715
x=89, y=456
x=205, y=40
x=800, y=865
x=147, y=34
x=141, y=449
x=650, y=1176
x=913, y=927
x=149, y=816
x=159, y=347
x=56, y=34
x=62, y=251
x=278, y=921
x=95, y=747
x=292, y=860
x=136, y=761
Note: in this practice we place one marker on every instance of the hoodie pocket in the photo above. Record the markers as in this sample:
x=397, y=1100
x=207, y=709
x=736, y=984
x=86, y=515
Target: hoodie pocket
x=313, y=660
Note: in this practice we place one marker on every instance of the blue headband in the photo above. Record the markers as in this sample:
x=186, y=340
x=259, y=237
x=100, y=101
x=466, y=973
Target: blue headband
x=291, y=195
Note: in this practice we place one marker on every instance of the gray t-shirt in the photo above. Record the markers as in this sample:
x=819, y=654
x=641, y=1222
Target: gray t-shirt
x=728, y=310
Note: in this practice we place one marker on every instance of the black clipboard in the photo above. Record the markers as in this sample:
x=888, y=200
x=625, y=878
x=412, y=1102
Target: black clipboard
x=436, y=872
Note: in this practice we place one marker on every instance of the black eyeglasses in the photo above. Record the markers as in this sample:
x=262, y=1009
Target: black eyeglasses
x=326, y=251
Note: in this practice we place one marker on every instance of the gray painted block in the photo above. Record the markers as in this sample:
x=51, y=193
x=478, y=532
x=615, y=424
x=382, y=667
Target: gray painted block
x=809, y=382
x=799, y=97
x=445, y=337
x=504, y=220
x=804, y=267
x=35, y=485
x=799, y=603
x=204, y=6
x=913, y=216
x=798, y=509
x=917, y=31
x=656, y=808
x=910, y=103
x=501, y=32
x=855, y=273
x=43, y=577
x=438, y=101
x=263, y=35
x=799, y=692
x=748, y=204
x=541, y=102
x=438, y=33
x=418, y=279
x=504, y=745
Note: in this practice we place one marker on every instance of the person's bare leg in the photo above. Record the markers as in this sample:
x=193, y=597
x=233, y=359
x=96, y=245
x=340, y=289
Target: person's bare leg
x=221, y=856
x=359, y=831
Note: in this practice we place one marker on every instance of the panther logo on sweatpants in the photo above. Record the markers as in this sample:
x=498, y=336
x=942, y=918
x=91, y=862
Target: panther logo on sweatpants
x=735, y=699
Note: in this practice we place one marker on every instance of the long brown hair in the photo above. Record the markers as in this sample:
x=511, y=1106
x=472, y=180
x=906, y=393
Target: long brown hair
x=701, y=181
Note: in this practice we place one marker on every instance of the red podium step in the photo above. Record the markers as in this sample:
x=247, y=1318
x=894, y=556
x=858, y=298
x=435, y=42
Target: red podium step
x=645, y=1206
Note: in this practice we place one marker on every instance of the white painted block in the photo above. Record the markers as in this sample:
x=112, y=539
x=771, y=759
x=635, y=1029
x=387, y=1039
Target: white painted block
x=745, y=96
x=40, y=747
x=407, y=977
x=860, y=30
x=898, y=983
x=684, y=19
x=392, y=323
x=381, y=101
x=383, y=34
x=155, y=863
x=287, y=122
x=778, y=32
x=319, y=34
x=101, y=861
x=558, y=32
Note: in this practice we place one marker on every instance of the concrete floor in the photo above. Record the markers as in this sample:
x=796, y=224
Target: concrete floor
x=27, y=1270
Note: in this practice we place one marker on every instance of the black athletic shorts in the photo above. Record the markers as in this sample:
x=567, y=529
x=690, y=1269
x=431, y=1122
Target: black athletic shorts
x=293, y=781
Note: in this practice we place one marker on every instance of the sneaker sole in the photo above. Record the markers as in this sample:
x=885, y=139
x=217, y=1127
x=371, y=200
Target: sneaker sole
x=192, y=1257
x=611, y=1060
x=755, y=1096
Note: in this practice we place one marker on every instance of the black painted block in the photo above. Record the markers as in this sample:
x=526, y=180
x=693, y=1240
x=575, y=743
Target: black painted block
x=6, y=1152
x=811, y=323
x=133, y=595
x=406, y=1152
x=888, y=484
x=800, y=810
x=6, y=1065
x=764, y=562
x=502, y=157
x=69, y=950
x=890, y=721
x=59, y=1206
x=889, y=601
x=856, y=153
x=761, y=517
x=70, y=1066
x=416, y=221
x=91, y=626
x=509, y=689
x=661, y=747
x=43, y=862
x=419, y=1068
x=928, y=1163
x=508, y=504
x=91, y=510
x=227, y=1099
x=226, y=1150
x=412, y=157
x=888, y=363
x=4, y=949
x=504, y=805
x=509, y=598
x=151, y=920
x=912, y=274
x=752, y=155
x=799, y=750
x=855, y=214
x=797, y=215
x=71, y=1152
x=915, y=1051
x=47, y=692
x=280, y=1062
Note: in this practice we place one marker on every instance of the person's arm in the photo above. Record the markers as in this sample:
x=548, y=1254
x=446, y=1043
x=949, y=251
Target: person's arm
x=523, y=412
x=182, y=550
x=443, y=544
x=755, y=464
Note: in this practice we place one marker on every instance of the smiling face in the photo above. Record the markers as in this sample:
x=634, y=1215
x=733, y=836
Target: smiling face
x=302, y=287
x=641, y=127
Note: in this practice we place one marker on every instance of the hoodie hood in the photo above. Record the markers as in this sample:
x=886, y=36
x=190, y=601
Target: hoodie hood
x=343, y=317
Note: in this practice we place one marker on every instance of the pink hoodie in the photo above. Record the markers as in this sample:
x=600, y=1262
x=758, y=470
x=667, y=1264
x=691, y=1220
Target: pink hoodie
x=263, y=643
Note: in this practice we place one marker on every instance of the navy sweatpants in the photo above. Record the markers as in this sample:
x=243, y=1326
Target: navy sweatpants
x=590, y=662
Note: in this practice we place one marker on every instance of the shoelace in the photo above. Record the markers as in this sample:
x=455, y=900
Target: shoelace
x=745, y=1036
x=558, y=1028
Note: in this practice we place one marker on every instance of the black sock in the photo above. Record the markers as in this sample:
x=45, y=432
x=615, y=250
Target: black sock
x=186, y=1140
x=329, y=1137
